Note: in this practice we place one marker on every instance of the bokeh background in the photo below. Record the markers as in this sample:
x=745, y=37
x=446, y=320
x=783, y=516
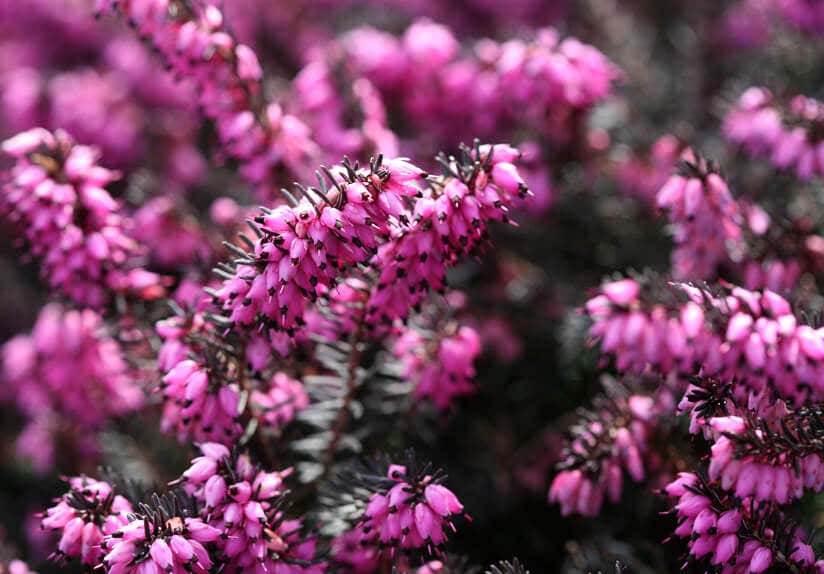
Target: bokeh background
x=595, y=171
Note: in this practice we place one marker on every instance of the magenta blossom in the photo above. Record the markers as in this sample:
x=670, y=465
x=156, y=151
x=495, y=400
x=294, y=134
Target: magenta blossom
x=226, y=76
x=414, y=513
x=788, y=135
x=729, y=533
x=56, y=198
x=706, y=218
x=441, y=364
x=240, y=500
x=84, y=516
x=608, y=442
x=160, y=540
x=68, y=378
x=750, y=338
x=278, y=404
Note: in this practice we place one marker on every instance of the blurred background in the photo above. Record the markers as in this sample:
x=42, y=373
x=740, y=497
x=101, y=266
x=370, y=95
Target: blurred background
x=594, y=163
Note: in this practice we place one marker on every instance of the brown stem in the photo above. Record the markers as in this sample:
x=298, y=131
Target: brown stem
x=261, y=448
x=343, y=416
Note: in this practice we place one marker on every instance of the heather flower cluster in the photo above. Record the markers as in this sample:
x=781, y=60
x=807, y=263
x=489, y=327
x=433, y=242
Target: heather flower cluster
x=55, y=196
x=69, y=379
x=411, y=511
x=770, y=464
x=241, y=502
x=84, y=516
x=442, y=368
x=391, y=216
x=540, y=82
x=749, y=338
x=160, y=538
x=194, y=42
x=737, y=537
x=751, y=370
x=788, y=135
x=705, y=216
x=715, y=232
x=601, y=447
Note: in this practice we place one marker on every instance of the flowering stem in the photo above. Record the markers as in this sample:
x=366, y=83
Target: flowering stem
x=261, y=447
x=342, y=418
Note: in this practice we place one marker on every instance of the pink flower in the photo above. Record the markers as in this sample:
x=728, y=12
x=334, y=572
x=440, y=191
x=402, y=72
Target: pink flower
x=56, y=197
x=347, y=549
x=69, y=379
x=715, y=524
x=226, y=75
x=612, y=439
x=707, y=220
x=760, y=561
x=441, y=368
x=160, y=541
x=278, y=405
x=241, y=501
x=173, y=236
x=541, y=82
x=414, y=512
x=754, y=339
x=304, y=250
x=84, y=516
x=741, y=463
x=199, y=404
x=757, y=123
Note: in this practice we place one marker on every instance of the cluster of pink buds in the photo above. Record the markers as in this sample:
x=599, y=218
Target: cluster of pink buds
x=748, y=337
x=275, y=406
x=201, y=377
x=790, y=137
x=68, y=378
x=302, y=249
x=608, y=440
x=737, y=536
x=220, y=479
x=160, y=538
x=769, y=461
x=200, y=403
x=55, y=196
x=498, y=85
x=779, y=254
x=90, y=104
x=84, y=516
x=242, y=501
x=281, y=548
x=705, y=216
x=194, y=42
x=415, y=512
x=715, y=233
x=324, y=93
x=441, y=363
x=390, y=216
x=446, y=226
x=773, y=274
x=211, y=385
x=340, y=310
x=550, y=72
